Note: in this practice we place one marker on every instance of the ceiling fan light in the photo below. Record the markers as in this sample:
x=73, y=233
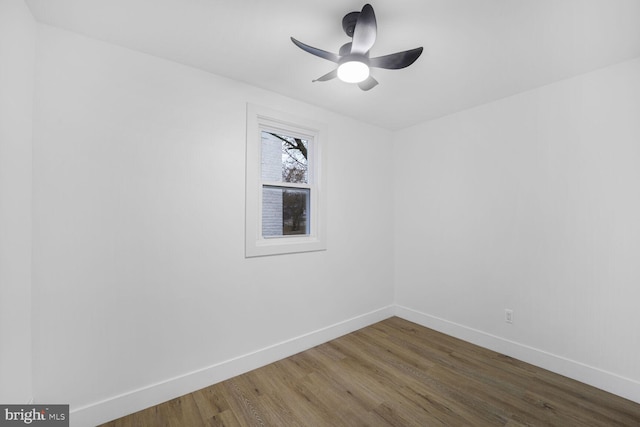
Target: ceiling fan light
x=353, y=71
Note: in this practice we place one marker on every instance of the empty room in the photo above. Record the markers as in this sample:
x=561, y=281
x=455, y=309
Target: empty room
x=319, y=213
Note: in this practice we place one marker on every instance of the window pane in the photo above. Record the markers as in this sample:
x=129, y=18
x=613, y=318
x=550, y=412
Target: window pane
x=284, y=158
x=285, y=211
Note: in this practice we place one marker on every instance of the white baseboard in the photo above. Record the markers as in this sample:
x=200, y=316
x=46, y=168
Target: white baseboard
x=136, y=400
x=153, y=394
x=604, y=380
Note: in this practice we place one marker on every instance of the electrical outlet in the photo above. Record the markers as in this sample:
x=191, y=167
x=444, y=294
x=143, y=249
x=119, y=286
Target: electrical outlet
x=508, y=315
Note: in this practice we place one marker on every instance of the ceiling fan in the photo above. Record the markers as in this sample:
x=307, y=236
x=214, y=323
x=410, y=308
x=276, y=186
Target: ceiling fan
x=353, y=58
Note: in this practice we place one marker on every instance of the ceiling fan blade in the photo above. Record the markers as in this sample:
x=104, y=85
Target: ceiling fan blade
x=368, y=84
x=330, y=75
x=364, y=35
x=317, y=52
x=395, y=61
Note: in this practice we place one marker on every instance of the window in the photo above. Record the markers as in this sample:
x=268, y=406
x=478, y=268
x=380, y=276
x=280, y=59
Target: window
x=285, y=199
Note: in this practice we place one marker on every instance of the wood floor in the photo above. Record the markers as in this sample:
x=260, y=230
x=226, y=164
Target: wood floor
x=394, y=373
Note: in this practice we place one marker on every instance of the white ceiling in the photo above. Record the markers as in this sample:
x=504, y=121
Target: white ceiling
x=475, y=51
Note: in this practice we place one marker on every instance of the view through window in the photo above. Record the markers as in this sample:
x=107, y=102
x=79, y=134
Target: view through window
x=286, y=190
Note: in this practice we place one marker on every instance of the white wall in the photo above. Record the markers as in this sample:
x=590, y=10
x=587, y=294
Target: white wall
x=530, y=203
x=17, y=65
x=141, y=284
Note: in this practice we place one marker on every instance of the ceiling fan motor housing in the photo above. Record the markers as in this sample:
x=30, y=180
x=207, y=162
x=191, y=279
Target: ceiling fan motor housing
x=349, y=22
x=354, y=57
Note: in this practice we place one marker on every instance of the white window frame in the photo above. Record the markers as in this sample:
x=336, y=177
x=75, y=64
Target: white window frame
x=262, y=118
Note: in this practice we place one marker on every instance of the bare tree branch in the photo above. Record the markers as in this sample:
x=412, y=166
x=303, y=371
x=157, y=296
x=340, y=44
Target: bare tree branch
x=297, y=143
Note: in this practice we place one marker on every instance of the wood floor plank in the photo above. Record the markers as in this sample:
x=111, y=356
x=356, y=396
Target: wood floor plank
x=393, y=373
